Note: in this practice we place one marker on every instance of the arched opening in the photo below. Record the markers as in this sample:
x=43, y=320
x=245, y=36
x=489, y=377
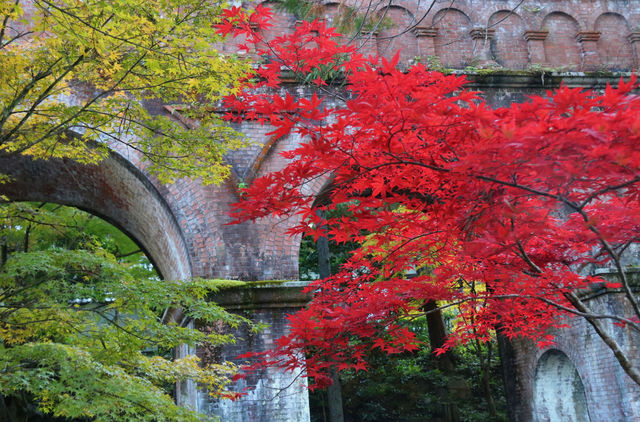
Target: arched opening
x=114, y=190
x=393, y=36
x=118, y=192
x=560, y=46
x=453, y=42
x=614, y=49
x=558, y=390
x=508, y=47
x=69, y=283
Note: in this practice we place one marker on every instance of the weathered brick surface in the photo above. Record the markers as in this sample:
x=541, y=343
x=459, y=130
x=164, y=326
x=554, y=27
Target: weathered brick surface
x=609, y=394
x=388, y=40
x=452, y=23
x=453, y=40
x=273, y=395
x=561, y=46
x=614, y=47
x=508, y=46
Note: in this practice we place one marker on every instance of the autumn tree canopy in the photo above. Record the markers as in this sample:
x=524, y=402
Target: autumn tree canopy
x=75, y=76
x=502, y=212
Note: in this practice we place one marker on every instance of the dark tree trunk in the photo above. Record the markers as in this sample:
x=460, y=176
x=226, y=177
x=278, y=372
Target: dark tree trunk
x=457, y=388
x=4, y=253
x=507, y=361
x=438, y=334
x=334, y=391
x=486, y=377
x=5, y=415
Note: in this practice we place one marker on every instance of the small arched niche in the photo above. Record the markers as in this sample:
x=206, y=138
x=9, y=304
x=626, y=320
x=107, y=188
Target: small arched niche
x=558, y=390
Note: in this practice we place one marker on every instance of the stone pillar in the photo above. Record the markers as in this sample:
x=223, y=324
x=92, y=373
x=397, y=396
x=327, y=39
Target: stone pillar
x=634, y=39
x=482, y=46
x=272, y=395
x=535, y=45
x=588, y=41
x=253, y=53
x=186, y=391
x=426, y=41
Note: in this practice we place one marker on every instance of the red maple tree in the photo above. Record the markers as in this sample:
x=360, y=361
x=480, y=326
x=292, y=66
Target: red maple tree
x=502, y=212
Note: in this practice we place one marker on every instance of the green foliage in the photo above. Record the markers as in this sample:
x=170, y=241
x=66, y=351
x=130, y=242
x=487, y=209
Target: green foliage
x=338, y=253
x=75, y=76
x=309, y=257
x=410, y=387
x=303, y=9
x=82, y=333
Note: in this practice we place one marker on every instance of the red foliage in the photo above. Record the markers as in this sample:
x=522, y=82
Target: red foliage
x=500, y=208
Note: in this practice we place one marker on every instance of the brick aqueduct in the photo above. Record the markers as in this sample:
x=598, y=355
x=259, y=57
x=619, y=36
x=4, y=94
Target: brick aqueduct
x=530, y=46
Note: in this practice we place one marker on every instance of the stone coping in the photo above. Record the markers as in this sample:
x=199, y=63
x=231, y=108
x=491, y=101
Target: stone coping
x=268, y=294
x=540, y=78
x=278, y=294
x=609, y=274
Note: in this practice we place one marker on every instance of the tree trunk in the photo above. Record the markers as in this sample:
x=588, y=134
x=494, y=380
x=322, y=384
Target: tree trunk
x=438, y=334
x=334, y=391
x=334, y=398
x=509, y=377
x=457, y=388
x=486, y=378
x=4, y=253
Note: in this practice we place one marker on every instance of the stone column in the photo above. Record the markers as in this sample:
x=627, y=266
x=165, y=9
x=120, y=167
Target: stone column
x=253, y=53
x=272, y=394
x=482, y=46
x=187, y=390
x=426, y=41
x=634, y=39
x=588, y=41
x=535, y=45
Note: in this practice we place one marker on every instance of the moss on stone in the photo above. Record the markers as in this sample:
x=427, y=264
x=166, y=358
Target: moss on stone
x=266, y=282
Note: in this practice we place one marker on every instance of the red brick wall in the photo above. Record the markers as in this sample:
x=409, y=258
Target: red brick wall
x=561, y=46
x=614, y=48
x=453, y=41
x=389, y=42
x=453, y=21
x=508, y=47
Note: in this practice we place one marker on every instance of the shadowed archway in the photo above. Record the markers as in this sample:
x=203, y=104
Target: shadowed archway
x=558, y=390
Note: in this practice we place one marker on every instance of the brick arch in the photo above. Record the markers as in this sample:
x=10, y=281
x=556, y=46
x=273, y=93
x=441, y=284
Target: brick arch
x=561, y=47
x=394, y=39
x=331, y=12
x=481, y=15
x=558, y=390
x=453, y=42
x=331, y=9
x=261, y=249
x=614, y=49
x=114, y=190
x=508, y=46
